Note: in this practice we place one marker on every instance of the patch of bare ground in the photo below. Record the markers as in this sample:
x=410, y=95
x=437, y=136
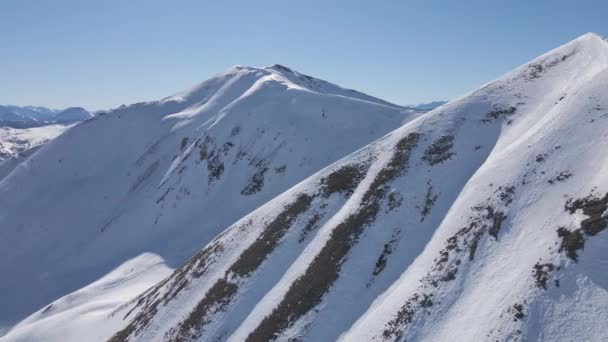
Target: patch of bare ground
x=429, y=201
x=343, y=180
x=542, y=273
x=312, y=223
x=208, y=152
x=594, y=208
x=518, y=311
x=439, y=151
x=536, y=70
x=256, y=182
x=386, y=251
x=561, y=177
x=499, y=112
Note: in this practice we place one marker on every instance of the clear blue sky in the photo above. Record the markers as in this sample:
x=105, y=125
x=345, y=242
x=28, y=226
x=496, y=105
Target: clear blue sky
x=101, y=54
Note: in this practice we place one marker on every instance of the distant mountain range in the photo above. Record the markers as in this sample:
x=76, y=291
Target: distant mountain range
x=28, y=117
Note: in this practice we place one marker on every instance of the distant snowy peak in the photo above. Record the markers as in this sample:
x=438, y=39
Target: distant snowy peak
x=71, y=115
x=21, y=117
x=30, y=116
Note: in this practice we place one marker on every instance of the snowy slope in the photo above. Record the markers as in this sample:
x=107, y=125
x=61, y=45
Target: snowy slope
x=467, y=223
x=14, y=141
x=150, y=183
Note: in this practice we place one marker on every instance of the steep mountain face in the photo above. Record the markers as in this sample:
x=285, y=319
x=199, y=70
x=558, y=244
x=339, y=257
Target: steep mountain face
x=482, y=220
x=30, y=116
x=124, y=198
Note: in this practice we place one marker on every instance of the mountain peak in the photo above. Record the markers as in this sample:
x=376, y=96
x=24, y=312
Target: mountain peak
x=279, y=67
x=243, y=79
x=586, y=41
x=591, y=35
x=274, y=67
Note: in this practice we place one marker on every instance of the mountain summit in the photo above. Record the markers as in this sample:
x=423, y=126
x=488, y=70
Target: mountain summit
x=484, y=219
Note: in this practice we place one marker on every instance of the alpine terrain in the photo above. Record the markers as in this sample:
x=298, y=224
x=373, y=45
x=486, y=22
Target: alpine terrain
x=266, y=205
x=132, y=193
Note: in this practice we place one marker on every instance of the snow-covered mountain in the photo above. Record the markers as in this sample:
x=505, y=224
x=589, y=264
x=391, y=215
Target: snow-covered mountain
x=21, y=117
x=71, y=115
x=482, y=220
x=152, y=182
x=30, y=116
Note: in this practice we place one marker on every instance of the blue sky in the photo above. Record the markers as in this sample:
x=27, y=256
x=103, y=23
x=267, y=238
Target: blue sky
x=101, y=54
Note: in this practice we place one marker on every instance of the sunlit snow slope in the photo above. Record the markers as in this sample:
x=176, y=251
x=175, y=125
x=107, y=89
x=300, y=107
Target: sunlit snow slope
x=119, y=201
x=482, y=220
